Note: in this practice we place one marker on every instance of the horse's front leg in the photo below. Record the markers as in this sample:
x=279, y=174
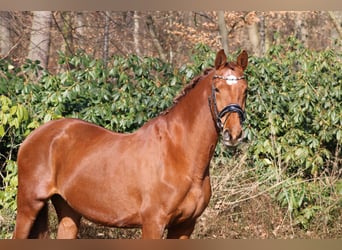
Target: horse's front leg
x=153, y=225
x=152, y=230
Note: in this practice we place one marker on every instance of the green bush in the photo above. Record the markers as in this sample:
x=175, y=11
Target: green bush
x=13, y=122
x=295, y=108
x=293, y=126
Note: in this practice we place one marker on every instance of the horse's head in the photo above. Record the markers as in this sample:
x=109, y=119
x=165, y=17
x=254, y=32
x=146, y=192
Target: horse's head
x=229, y=92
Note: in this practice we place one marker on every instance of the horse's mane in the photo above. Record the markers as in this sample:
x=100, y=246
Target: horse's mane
x=187, y=89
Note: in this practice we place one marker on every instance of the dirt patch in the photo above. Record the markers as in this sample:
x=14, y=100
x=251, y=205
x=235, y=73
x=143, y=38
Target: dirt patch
x=258, y=218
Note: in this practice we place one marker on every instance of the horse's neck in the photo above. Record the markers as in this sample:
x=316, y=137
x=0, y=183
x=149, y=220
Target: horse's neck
x=194, y=112
x=191, y=122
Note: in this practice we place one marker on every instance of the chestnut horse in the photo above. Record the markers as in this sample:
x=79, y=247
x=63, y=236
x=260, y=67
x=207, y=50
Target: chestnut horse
x=156, y=178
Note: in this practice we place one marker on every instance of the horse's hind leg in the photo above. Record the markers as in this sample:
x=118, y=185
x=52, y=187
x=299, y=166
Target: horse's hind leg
x=68, y=219
x=31, y=221
x=40, y=229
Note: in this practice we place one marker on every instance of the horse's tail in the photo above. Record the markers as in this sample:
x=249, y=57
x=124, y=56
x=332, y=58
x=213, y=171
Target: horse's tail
x=40, y=228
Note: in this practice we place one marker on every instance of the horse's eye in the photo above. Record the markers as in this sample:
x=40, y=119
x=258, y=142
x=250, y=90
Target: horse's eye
x=217, y=90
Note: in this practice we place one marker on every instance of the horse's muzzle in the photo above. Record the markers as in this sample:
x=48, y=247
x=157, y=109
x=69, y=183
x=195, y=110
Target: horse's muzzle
x=232, y=139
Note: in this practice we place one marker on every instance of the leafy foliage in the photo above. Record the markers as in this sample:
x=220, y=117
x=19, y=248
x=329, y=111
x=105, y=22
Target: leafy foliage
x=13, y=124
x=298, y=100
x=293, y=127
x=295, y=123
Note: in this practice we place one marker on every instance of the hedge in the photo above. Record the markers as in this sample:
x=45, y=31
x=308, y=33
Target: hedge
x=293, y=127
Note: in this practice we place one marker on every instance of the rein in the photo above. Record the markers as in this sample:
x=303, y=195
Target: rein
x=230, y=108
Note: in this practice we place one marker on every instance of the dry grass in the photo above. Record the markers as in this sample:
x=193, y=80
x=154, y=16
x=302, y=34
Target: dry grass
x=257, y=218
x=242, y=207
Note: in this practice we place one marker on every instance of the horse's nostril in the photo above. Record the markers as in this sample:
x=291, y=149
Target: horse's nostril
x=233, y=136
x=226, y=135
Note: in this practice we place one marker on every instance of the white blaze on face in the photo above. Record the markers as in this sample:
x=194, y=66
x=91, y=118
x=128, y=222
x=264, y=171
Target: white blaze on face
x=231, y=80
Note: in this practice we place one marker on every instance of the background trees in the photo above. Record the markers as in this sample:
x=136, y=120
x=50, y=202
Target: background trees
x=169, y=35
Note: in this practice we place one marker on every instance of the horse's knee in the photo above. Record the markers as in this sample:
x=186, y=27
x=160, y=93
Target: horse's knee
x=153, y=230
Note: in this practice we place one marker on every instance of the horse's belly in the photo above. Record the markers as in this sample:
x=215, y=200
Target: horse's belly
x=108, y=214
x=101, y=204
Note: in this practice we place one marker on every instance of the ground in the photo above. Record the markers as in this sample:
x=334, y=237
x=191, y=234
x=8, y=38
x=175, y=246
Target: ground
x=258, y=218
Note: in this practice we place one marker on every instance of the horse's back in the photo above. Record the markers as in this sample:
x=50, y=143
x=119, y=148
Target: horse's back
x=40, y=153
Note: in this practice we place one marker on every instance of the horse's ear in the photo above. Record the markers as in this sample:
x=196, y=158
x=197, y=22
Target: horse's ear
x=221, y=59
x=242, y=60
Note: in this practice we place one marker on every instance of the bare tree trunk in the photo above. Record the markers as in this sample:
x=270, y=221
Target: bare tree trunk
x=106, y=38
x=301, y=28
x=336, y=19
x=136, y=30
x=40, y=37
x=251, y=20
x=176, y=44
x=223, y=31
x=263, y=34
x=80, y=23
x=253, y=33
x=67, y=31
x=152, y=30
x=5, y=42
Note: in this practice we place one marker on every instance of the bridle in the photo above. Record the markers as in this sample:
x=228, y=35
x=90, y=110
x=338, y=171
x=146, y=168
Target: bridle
x=230, y=108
